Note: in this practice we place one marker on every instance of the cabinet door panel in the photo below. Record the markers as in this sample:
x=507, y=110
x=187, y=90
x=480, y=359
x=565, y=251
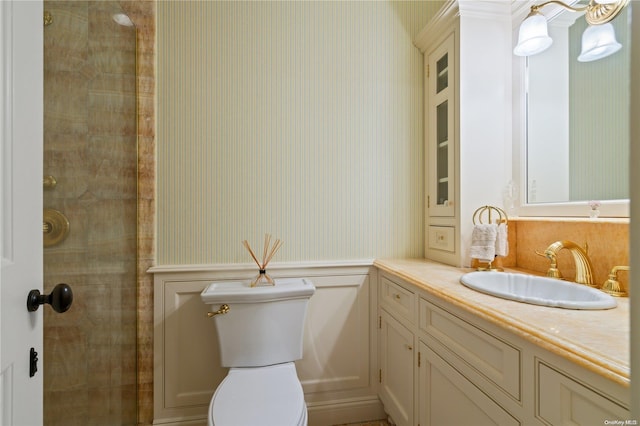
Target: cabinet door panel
x=396, y=365
x=492, y=358
x=441, y=137
x=563, y=401
x=448, y=398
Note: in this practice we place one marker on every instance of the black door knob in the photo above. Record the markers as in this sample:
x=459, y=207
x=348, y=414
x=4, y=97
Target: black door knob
x=60, y=299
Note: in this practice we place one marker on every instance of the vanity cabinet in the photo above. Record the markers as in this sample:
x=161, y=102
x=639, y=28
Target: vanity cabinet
x=396, y=322
x=396, y=369
x=422, y=351
x=565, y=400
x=446, y=397
x=441, y=364
x=463, y=365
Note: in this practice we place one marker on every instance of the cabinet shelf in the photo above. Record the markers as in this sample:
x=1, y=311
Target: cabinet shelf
x=443, y=180
x=443, y=144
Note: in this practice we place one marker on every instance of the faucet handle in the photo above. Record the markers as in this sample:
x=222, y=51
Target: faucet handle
x=612, y=285
x=553, y=271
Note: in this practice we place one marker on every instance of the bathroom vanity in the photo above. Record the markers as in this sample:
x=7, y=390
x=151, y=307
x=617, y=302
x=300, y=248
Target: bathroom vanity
x=451, y=355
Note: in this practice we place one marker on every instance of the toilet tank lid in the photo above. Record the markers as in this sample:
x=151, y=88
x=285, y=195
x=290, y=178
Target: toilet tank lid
x=242, y=292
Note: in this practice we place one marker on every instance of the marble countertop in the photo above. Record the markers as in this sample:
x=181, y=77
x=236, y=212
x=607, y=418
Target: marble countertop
x=598, y=340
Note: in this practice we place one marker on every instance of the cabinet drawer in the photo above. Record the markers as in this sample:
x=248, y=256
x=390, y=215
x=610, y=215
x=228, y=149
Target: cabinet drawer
x=442, y=238
x=486, y=355
x=562, y=400
x=397, y=299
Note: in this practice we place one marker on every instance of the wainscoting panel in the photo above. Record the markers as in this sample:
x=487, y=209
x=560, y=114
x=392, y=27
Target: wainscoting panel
x=338, y=313
x=185, y=324
x=337, y=370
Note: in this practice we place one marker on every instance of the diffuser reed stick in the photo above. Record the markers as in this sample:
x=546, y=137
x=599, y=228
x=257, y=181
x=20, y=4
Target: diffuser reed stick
x=268, y=252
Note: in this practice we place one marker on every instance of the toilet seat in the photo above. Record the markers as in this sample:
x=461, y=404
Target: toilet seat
x=259, y=396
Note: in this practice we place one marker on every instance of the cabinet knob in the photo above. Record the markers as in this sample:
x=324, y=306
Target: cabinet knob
x=410, y=347
x=397, y=296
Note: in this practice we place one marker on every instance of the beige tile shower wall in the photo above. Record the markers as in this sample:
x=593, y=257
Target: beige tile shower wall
x=143, y=14
x=301, y=119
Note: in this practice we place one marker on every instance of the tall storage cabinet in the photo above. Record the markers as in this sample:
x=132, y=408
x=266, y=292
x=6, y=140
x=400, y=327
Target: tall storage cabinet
x=467, y=65
x=442, y=239
x=441, y=127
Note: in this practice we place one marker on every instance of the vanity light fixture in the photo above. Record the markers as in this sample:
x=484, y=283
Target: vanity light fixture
x=598, y=40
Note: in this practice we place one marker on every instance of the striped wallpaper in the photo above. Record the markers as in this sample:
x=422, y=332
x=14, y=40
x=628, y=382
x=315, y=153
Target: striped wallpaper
x=300, y=119
x=599, y=119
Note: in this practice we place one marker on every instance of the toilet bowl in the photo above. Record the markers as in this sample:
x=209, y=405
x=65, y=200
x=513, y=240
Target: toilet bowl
x=259, y=396
x=260, y=335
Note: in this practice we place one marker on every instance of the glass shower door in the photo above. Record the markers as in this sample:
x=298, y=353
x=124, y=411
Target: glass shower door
x=90, y=166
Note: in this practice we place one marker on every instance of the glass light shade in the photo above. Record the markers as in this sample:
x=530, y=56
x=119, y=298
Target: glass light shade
x=598, y=41
x=533, y=36
x=122, y=19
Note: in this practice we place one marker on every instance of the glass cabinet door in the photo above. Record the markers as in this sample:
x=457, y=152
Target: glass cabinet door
x=441, y=130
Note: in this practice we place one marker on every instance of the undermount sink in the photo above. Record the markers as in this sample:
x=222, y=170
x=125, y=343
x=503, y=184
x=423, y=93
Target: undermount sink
x=538, y=290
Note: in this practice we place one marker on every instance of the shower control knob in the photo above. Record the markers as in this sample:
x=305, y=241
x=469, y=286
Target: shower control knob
x=60, y=299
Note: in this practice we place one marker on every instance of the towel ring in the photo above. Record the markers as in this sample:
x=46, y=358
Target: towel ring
x=487, y=211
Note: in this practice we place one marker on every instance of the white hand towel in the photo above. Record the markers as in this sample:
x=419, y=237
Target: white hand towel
x=483, y=242
x=502, y=243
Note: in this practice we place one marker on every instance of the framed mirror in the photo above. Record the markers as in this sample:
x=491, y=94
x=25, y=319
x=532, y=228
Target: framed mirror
x=576, y=130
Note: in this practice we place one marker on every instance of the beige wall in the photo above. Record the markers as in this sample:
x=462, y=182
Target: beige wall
x=300, y=119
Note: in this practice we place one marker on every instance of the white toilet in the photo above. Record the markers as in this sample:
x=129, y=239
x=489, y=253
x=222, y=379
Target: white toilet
x=260, y=332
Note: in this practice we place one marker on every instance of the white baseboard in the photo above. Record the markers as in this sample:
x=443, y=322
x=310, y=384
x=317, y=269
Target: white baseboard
x=320, y=414
x=345, y=411
x=193, y=421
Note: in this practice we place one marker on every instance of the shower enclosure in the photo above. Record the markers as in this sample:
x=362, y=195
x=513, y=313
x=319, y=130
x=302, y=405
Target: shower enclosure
x=90, y=167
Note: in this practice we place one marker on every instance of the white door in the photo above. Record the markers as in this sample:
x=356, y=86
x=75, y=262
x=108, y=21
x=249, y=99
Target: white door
x=21, y=111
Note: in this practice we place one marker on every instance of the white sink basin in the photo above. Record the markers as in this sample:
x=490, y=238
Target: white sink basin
x=538, y=290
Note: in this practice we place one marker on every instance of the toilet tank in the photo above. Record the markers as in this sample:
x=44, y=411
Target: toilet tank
x=263, y=325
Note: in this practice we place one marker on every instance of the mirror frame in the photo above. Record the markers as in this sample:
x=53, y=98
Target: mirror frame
x=608, y=208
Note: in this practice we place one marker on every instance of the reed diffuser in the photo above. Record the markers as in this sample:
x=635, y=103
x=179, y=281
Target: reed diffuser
x=267, y=254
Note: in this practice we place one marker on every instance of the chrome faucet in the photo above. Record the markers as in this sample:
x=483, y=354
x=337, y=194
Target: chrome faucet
x=584, y=271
